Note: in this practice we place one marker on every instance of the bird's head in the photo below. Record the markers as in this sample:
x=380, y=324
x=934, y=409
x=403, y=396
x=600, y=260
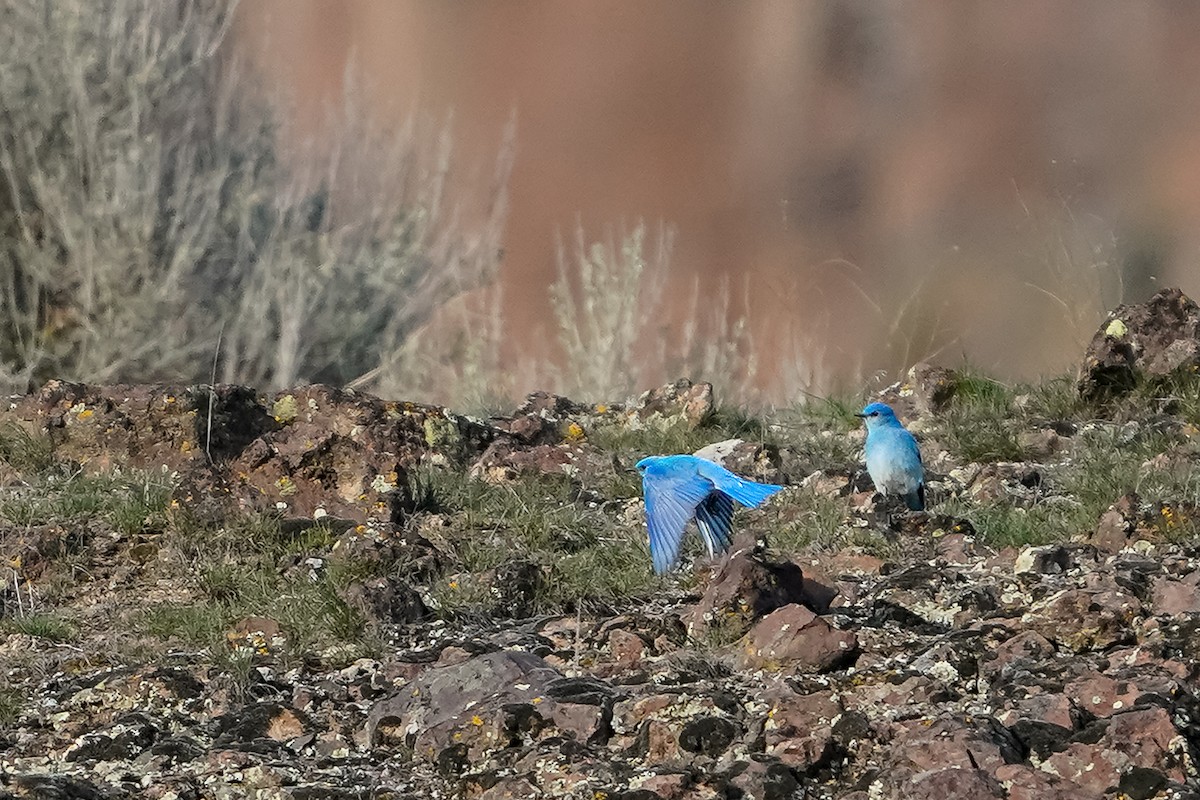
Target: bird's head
x=878, y=415
x=645, y=464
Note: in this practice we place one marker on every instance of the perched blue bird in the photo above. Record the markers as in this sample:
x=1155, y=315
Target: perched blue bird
x=893, y=458
x=680, y=488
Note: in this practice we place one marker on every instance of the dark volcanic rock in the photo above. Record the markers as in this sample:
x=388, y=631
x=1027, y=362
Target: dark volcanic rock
x=515, y=587
x=54, y=787
x=763, y=777
x=124, y=740
x=708, y=735
x=387, y=599
x=1137, y=342
x=260, y=721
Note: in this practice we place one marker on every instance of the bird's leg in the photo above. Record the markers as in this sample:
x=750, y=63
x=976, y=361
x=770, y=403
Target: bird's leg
x=881, y=512
x=896, y=512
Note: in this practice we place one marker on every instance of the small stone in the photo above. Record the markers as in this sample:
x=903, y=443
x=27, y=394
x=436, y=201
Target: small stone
x=1117, y=524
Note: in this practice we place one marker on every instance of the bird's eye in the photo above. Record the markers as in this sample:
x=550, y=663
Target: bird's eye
x=874, y=413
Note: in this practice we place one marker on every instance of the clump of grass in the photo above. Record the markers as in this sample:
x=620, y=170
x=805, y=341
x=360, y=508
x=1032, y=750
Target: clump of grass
x=12, y=703
x=814, y=521
x=495, y=522
x=613, y=570
x=975, y=436
x=235, y=670
x=1054, y=400
x=1176, y=395
x=129, y=501
x=816, y=430
x=1109, y=460
x=581, y=540
x=1004, y=525
x=201, y=624
x=980, y=424
x=50, y=627
x=24, y=451
x=237, y=568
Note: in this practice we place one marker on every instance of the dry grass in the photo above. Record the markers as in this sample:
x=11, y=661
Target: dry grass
x=614, y=304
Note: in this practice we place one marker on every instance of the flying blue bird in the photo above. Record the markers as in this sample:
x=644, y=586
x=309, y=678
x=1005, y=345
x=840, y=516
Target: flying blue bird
x=893, y=458
x=681, y=488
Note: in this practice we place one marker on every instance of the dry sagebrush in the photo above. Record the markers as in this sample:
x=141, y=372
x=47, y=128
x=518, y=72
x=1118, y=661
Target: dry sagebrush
x=146, y=212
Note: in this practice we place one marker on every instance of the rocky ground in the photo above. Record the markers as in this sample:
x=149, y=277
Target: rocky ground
x=216, y=593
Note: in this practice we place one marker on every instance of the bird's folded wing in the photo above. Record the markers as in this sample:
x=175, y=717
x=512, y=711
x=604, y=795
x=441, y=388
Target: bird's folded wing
x=670, y=502
x=714, y=517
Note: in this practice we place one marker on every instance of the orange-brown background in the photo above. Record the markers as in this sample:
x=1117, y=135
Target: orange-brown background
x=963, y=165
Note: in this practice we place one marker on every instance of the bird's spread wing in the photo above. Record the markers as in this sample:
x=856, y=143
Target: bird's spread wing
x=714, y=517
x=671, y=501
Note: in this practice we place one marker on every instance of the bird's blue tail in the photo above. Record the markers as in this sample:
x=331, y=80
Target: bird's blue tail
x=916, y=500
x=748, y=493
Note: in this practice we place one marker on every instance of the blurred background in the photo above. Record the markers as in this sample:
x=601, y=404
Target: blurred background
x=463, y=202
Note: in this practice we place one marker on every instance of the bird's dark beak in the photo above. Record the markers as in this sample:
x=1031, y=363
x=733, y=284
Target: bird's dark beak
x=860, y=416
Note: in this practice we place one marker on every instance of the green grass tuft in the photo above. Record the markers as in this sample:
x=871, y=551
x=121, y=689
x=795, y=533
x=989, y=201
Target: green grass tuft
x=50, y=627
x=201, y=624
x=131, y=502
x=809, y=520
x=12, y=703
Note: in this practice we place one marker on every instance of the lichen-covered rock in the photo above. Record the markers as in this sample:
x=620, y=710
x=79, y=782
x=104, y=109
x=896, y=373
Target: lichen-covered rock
x=1143, y=739
x=690, y=403
x=466, y=711
x=310, y=452
x=1084, y=619
x=798, y=729
x=926, y=389
x=1154, y=339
